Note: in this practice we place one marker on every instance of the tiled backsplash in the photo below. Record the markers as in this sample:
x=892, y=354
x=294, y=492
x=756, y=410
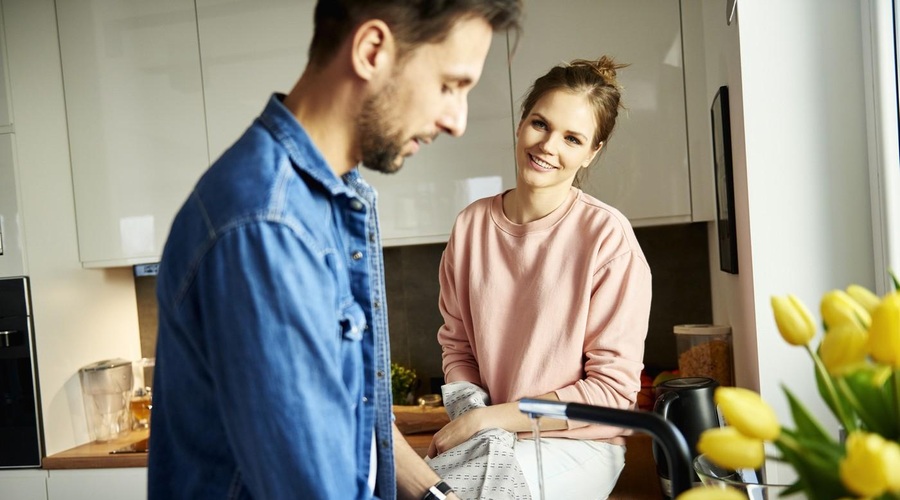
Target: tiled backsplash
x=677, y=255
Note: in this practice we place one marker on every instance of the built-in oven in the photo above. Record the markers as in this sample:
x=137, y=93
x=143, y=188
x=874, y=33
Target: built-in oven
x=21, y=436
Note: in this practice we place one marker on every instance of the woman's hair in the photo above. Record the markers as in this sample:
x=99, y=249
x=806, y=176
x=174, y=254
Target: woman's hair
x=413, y=22
x=596, y=80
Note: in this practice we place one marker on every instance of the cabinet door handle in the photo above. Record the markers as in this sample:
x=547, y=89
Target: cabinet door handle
x=7, y=338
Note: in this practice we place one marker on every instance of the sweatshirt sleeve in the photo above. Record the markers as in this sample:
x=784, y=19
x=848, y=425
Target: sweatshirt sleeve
x=614, y=341
x=459, y=363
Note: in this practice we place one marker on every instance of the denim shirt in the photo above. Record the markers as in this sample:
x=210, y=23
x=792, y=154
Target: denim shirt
x=272, y=362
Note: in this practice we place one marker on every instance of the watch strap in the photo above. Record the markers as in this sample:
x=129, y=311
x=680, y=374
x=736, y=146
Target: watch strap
x=438, y=492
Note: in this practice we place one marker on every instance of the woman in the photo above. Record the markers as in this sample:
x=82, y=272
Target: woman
x=545, y=292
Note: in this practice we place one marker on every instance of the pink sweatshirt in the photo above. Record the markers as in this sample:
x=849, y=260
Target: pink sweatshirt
x=559, y=304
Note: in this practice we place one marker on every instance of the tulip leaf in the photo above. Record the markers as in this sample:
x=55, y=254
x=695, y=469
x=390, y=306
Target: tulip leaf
x=816, y=474
x=872, y=400
x=807, y=425
x=896, y=282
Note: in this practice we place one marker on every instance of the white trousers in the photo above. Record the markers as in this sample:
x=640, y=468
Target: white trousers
x=573, y=469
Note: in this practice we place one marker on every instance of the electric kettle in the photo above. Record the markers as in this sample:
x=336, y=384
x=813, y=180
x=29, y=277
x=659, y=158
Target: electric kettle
x=688, y=404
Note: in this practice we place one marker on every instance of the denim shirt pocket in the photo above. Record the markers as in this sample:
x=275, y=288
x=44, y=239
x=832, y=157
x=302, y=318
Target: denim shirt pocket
x=352, y=326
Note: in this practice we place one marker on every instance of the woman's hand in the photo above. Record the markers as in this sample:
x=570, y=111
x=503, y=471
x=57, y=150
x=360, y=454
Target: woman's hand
x=457, y=431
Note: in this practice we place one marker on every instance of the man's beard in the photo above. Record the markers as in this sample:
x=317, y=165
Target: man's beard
x=379, y=145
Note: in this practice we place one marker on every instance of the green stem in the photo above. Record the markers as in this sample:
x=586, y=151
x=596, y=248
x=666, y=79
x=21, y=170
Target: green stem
x=897, y=396
x=848, y=423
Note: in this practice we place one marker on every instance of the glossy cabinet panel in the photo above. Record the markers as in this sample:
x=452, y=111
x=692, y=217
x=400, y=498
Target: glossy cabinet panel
x=5, y=108
x=24, y=484
x=419, y=203
x=12, y=255
x=248, y=50
x=155, y=91
x=127, y=483
x=644, y=171
x=137, y=132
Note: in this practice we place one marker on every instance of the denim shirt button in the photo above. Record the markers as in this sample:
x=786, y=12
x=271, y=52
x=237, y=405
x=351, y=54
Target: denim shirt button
x=376, y=304
x=371, y=237
x=385, y=443
x=356, y=255
x=356, y=205
x=365, y=399
x=379, y=374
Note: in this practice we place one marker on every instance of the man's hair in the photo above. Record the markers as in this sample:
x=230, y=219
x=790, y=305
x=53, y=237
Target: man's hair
x=412, y=22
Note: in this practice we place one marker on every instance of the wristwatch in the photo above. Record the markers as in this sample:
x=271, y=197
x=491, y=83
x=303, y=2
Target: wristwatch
x=438, y=491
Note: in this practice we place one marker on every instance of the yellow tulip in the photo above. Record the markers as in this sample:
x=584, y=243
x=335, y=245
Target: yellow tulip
x=844, y=348
x=884, y=334
x=871, y=464
x=795, y=323
x=711, y=493
x=838, y=307
x=727, y=447
x=864, y=297
x=745, y=410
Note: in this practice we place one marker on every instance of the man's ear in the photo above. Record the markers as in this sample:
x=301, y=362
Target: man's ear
x=373, y=49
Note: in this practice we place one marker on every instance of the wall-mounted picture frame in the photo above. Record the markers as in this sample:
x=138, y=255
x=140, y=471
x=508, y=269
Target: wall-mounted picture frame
x=721, y=132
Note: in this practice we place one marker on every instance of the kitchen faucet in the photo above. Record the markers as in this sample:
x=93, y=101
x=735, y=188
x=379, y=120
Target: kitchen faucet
x=671, y=440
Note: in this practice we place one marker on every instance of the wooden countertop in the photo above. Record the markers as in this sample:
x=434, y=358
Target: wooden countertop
x=98, y=456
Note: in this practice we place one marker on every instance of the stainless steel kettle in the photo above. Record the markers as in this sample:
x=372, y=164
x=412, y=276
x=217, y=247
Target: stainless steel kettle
x=688, y=404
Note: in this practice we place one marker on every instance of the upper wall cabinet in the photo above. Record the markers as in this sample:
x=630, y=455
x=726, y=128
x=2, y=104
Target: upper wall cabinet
x=644, y=170
x=137, y=134
x=249, y=49
x=419, y=203
x=5, y=111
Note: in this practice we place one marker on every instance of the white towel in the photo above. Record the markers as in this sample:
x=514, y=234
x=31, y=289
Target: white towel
x=485, y=466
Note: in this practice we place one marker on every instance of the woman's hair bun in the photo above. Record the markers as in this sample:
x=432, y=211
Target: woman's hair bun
x=605, y=68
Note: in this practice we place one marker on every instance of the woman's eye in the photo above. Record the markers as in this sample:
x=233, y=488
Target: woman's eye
x=538, y=124
x=573, y=140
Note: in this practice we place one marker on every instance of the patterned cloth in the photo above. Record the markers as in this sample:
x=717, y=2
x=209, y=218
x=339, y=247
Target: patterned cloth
x=485, y=466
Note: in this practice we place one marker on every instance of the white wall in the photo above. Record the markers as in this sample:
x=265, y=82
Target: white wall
x=795, y=75
x=80, y=316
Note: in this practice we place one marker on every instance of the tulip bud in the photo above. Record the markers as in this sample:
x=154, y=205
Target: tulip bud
x=864, y=297
x=884, y=334
x=838, y=307
x=870, y=467
x=748, y=413
x=794, y=320
x=844, y=348
x=727, y=447
x=711, y=493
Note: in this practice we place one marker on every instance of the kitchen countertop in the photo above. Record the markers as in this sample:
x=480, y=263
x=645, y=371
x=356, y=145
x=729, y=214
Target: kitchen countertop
x=97, y=455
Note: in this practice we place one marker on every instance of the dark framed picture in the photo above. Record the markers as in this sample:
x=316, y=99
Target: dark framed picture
x=721, y=130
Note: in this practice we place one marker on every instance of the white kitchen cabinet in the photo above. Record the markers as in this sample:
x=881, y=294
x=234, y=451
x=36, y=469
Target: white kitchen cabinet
x=137, y=132
x=155, y=91
x=644, y=171
x=12, y=254
x=128, y=483
x=419, y=203
x=5, y=108
x=23, y=484
x=248, y=49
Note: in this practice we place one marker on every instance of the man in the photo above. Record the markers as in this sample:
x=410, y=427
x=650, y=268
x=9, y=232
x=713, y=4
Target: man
x=272, y=365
